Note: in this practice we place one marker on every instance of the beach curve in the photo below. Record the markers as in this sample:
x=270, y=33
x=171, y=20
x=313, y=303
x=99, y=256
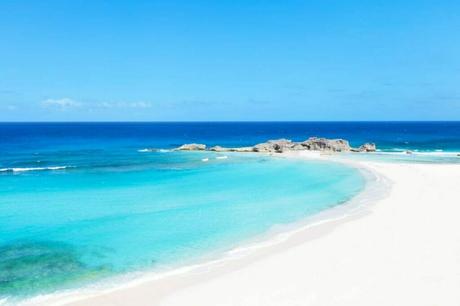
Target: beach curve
x=403, y=250
x=274, y=241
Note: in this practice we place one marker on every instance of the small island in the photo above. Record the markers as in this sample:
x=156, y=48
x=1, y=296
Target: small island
x=286, y=145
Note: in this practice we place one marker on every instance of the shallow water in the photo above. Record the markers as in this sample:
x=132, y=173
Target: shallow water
x=80, y=203
x=67, y=227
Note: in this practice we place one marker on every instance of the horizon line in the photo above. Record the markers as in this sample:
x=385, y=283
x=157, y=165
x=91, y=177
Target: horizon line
x=243, y=121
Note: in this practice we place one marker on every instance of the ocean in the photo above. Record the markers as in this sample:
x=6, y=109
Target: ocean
x=83, y=203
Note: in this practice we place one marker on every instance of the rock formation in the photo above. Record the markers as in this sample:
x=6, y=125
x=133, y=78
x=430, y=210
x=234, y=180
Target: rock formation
x=286, y=145
x=278, y=146
x=367, y=147
x=223, y=149
x=192, y=147
x=324, y=144
x=218, y=149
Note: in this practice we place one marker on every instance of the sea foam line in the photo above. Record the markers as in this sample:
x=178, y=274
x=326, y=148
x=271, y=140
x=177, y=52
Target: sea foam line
x=154, y=150
x=35, y=169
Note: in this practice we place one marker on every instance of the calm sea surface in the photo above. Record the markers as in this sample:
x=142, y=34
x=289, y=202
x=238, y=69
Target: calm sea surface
x=82, y=202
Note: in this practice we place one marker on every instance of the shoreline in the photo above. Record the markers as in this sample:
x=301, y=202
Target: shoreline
x=272, y=239
x=163, y=289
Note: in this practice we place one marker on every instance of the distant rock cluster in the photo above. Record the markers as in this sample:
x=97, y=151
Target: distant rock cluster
x=192, y=147
x=286, y=145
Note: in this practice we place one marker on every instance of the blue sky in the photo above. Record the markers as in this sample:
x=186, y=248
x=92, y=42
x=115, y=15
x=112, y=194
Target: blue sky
x=229, y=60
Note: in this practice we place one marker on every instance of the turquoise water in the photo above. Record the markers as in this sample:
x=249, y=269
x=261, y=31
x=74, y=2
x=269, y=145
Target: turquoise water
x=80, y=203
x=115, y=212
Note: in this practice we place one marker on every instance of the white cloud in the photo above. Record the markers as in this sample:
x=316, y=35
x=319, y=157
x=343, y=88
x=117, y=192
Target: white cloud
x=140, y=104
x=62, y=103
x=68, y=103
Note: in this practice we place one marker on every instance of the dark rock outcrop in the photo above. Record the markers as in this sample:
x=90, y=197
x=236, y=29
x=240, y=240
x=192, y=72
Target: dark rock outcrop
x=367, y=147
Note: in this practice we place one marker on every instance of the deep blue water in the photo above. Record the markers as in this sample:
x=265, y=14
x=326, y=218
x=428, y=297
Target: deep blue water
x=387, y=135
x=81, y=202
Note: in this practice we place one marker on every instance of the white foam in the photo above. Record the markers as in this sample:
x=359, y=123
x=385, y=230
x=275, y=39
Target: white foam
x=153, y=150
x=222, y=157
x=205, y=159
x=34, y=169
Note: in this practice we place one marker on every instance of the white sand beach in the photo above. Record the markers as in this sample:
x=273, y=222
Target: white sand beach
x=403, y=249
